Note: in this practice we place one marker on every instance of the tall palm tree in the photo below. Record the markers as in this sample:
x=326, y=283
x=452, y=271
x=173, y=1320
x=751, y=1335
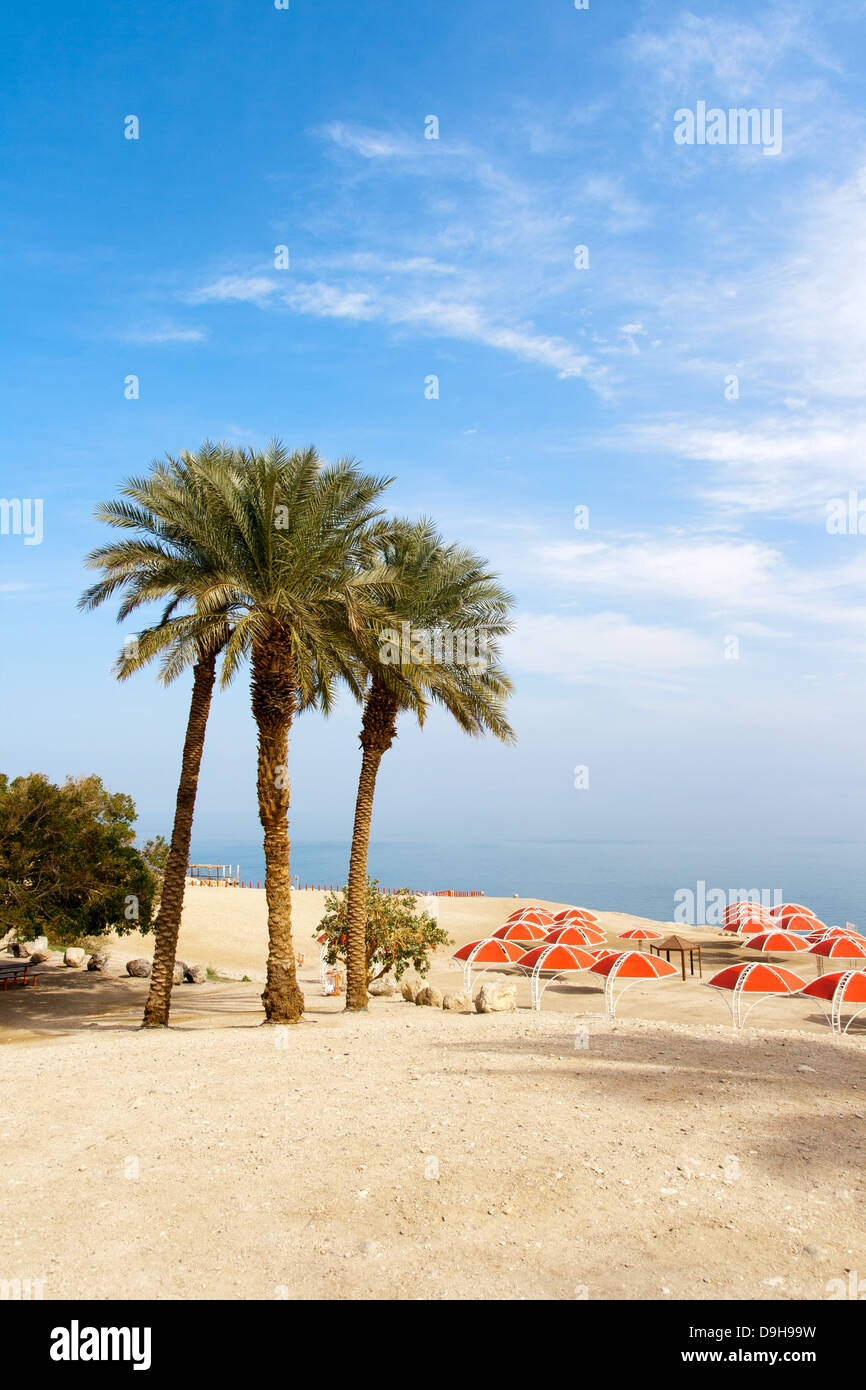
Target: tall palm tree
x=167, y=513
x=289, y=570
x=441, y=591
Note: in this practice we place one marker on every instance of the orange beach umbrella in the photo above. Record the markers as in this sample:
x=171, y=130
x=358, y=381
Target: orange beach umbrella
x=839, y=987
x=632, y=966
x=756, y=978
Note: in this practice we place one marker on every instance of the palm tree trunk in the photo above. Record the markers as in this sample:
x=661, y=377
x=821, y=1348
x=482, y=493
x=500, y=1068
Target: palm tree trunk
x=378, y=731
x=171, y=903
x=274, y=700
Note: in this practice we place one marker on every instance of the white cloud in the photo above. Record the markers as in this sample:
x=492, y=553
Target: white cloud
x=255, y=289
x=168, y=334
x=577, y=648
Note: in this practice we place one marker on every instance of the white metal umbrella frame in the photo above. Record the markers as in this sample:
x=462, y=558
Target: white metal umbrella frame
x=537, y=970
x=734, y=997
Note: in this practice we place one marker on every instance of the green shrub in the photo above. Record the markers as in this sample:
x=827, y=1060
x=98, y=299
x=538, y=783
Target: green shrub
x=397, y=935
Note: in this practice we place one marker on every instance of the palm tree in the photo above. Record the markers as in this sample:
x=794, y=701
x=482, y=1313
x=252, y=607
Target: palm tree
x=167, y=512
x=443, y=593
x=289, y=571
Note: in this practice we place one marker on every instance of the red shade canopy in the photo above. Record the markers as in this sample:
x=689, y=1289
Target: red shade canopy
x=575, y=914
x=746, y=909
x=840, y=948
x=641, y=934
x=799, y=921
x=521, y=930
x=853, y=990
x=633, y=965
x=538, y=916
x=490, y=951
x=777, y=942
x=552, y=956
x=785, y=909
x=573, y=934
x=757, y=977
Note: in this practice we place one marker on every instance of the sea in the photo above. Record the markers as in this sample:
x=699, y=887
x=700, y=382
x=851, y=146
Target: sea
x=666, y=881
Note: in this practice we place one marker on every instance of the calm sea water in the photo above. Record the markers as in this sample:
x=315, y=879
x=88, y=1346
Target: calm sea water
x=640, y=877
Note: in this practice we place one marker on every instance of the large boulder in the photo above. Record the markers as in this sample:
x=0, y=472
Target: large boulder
x=430, y=996
x=74, y=957
x=98, y=961
x=40, y=956
x=410, y=989
x=27, y=949
x=382, y=988
x=457, y=1001
x=139, y=968
x=195, y=974
x=179, y=972
x=495, y=998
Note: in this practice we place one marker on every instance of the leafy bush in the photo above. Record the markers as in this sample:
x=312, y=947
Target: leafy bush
x=397, y=935
x=68, y=863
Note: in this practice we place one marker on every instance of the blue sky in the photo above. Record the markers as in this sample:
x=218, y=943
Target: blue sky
x=559, y=386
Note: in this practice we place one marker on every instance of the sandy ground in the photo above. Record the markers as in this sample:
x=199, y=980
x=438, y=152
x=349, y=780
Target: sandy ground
x=418, y=1154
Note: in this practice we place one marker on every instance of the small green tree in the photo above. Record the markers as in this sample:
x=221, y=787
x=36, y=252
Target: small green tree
x=397, y=935
x=68, y=862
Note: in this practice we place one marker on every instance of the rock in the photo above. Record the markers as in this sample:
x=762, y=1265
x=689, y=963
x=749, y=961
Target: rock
x=39, y=957
x=380, y=988
x=431, y=996
x=139, y=968
x=410, y=988
x=73, y=956
x=27, y=949
x=494, y=998
x=196, y=974
x=98, y=961
x=179, y=972
x=457, y=1001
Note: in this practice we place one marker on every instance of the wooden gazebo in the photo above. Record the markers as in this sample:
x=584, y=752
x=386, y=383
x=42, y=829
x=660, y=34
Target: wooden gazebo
x=685, y=948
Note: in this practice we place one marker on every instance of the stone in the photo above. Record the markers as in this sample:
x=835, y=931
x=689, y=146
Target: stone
x=26, y=949
x=74, y=956
x=196, y=974
x=139, y=968
x=495, y=998
x=179, y=972
x=98, y=961
x=39, y=956
x=431, y=996
x=410, y=988
x=457, y=1001
x=382, y=988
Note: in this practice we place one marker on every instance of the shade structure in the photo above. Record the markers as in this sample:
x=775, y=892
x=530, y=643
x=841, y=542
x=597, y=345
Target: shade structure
x=747, y=918
x=519, y=931
x=839, y=947
x=799, y=921
x=826, y=933
x=489, y=951
x=776, y=943
x=839, y=988
x=537, y=916
x=631, y=967
x=785, y=910
x=756, y=978
x=746, y=909
x=641, y=934
x=573, y=934
x=575, y=914
x=553, y=960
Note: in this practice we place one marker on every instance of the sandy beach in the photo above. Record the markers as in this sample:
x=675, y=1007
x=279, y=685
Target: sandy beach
x=414, y=1153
